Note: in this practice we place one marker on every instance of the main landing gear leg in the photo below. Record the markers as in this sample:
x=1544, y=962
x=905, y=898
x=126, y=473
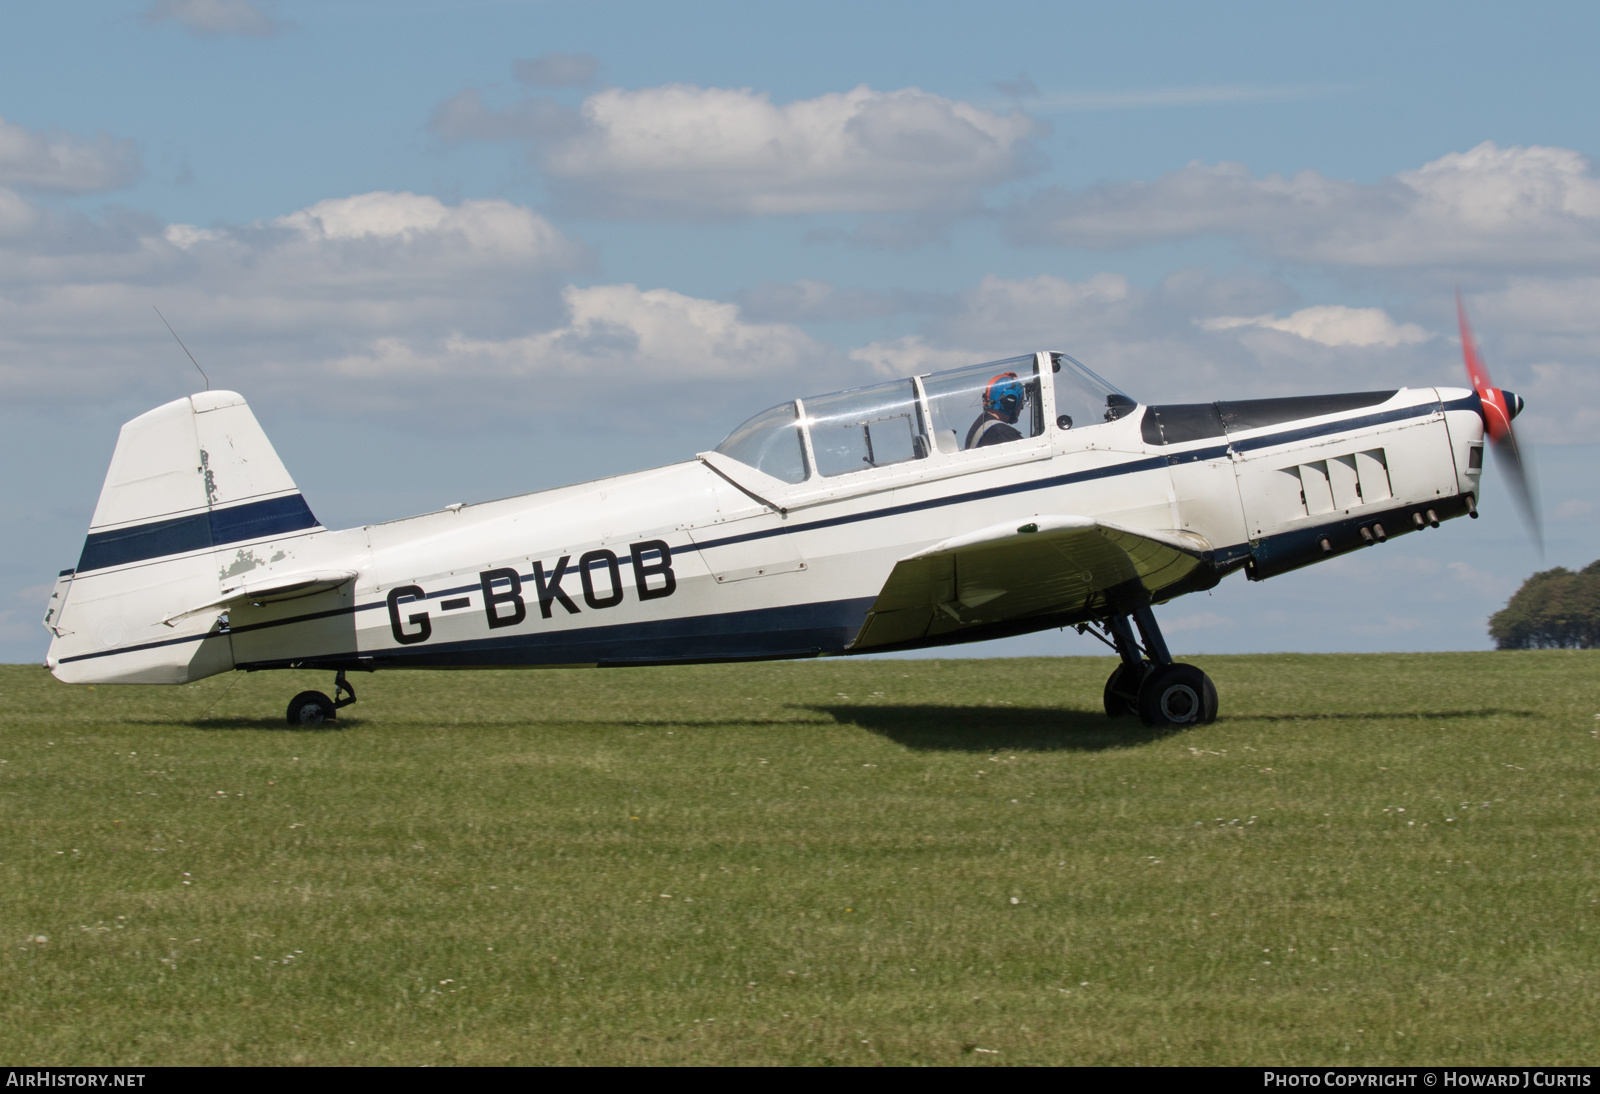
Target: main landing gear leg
x=312, y=708
x=1149, y=683
x=1122, y=687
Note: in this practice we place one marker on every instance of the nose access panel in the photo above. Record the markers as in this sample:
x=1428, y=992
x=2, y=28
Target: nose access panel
x=1302, y=506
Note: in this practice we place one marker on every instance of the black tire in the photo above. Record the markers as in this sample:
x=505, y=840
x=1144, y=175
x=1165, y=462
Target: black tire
x=1177, y=695
x=311, y=709
x=1120, y=699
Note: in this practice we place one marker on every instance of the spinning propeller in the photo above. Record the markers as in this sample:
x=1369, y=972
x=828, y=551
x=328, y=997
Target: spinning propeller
x=1498, y=407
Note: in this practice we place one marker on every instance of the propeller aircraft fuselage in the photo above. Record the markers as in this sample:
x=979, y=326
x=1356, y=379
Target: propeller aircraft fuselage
x=986, y=501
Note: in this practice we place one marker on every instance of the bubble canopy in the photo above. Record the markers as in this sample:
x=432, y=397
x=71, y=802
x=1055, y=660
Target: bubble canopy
x=941, y=414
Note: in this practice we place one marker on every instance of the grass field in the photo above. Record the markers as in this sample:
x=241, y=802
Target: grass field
x=1367, y=859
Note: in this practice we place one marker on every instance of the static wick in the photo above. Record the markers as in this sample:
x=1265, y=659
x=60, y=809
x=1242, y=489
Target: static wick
x=196, y=364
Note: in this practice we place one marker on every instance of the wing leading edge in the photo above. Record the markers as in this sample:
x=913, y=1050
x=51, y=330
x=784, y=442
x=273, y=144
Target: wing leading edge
x=1068, y=568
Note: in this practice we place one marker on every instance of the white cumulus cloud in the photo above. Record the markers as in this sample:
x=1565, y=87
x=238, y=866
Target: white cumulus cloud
x=213, y=18
x=1489, y=206
x=1331, y=325
x=484, y=228
x=618, y=332
x=381, y=299
x=382, y=243
x=714, y=151
x=680, y=151
x=17, y=215
x=64, y=162
x=278, y=298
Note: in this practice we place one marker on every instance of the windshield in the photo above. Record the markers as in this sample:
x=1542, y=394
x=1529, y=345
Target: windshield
x=1082, y=397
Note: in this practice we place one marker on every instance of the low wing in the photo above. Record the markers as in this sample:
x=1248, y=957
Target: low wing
x=1056, y=567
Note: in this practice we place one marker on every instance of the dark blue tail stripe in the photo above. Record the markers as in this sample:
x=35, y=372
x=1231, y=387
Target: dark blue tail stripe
x=218, y=528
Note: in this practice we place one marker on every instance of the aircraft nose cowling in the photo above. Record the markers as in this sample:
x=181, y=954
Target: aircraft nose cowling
x=1497, y=408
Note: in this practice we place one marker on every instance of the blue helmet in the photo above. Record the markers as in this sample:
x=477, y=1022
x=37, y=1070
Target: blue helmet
x=1006, y=396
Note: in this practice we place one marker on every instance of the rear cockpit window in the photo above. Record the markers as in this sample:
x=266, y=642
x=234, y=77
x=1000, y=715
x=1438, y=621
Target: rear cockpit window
x=868, y=427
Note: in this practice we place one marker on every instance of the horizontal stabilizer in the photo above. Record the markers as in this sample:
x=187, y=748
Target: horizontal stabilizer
x=270, y=590
x=1049, y=566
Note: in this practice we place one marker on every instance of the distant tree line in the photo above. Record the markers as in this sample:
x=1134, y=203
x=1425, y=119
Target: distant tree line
x=1555, y=609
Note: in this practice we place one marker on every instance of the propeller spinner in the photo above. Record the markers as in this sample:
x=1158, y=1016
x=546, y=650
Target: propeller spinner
x=1498, y=408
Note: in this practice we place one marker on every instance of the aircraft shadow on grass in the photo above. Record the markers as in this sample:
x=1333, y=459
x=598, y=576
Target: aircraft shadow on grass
x=1384, y=715
x=992, y=729
x=276, y=725
x=1047, y=729
x=279, y=725
x=948, y=728
x=928, y=726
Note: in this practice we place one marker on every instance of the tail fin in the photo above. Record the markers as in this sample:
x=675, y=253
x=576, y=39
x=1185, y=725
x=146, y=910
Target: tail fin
x=191, y=484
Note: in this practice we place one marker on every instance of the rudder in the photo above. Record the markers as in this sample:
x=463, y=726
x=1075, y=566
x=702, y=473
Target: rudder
x=191, y=484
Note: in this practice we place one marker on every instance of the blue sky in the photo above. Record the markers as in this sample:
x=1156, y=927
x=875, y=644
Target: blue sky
x=459, y=251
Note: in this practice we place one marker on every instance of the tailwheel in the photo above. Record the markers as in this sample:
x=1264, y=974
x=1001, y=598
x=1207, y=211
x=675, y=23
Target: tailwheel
x=311, y=709
x=1177, y=695
x=1122, y=690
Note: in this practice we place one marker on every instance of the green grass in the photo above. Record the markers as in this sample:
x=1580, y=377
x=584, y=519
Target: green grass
x=1368, y=859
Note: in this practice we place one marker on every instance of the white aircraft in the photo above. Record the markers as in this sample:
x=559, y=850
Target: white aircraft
x=992, y=500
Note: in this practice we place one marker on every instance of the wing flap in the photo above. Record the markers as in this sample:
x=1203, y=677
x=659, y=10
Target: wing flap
x=1050, y=566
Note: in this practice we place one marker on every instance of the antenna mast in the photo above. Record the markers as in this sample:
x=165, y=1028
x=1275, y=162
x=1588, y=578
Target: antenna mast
x=196, y=364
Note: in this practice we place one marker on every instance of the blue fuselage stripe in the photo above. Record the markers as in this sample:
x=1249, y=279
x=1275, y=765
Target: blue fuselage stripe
x=789, y=630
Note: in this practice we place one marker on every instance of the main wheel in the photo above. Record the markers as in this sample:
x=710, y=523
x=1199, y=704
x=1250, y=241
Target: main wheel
x=1177, y=695
x=1120, y=698
x=310, y=709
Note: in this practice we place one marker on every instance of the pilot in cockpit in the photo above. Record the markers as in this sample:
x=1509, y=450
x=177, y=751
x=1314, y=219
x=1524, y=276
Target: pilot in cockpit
x=1003, y=400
